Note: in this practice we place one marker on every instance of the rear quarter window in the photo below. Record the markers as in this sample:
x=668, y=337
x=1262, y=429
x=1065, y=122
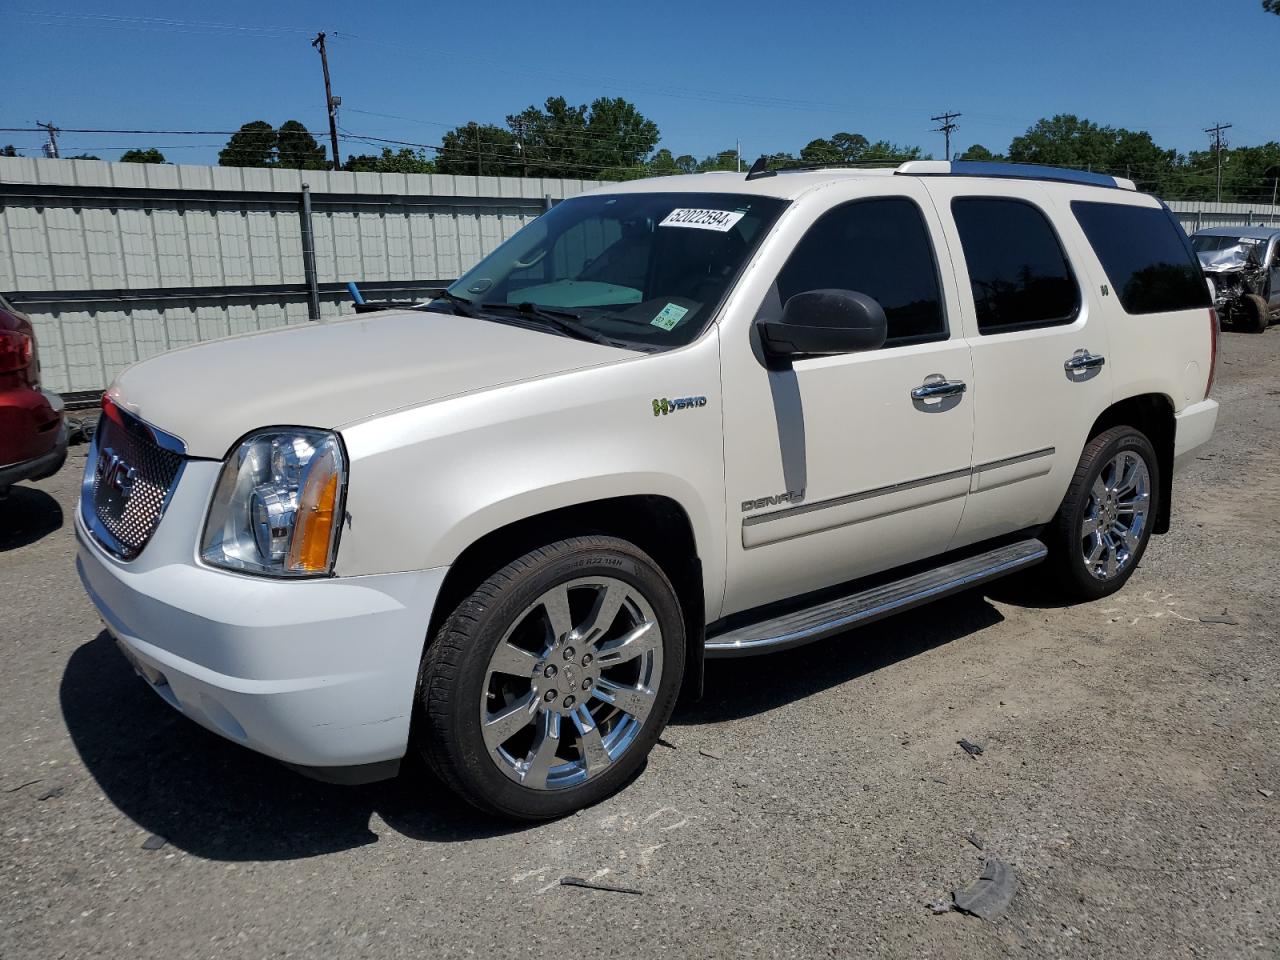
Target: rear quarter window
x=1146, y=256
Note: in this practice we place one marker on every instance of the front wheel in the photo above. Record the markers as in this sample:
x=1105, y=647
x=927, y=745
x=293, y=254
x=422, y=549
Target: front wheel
x=1257, y=314
x=1101, y=530
x=547, y=687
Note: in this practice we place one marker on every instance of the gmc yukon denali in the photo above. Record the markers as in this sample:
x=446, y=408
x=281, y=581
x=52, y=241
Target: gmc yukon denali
x=671, y=419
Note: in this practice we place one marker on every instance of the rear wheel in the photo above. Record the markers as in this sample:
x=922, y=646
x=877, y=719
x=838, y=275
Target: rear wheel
x=1256, y=313
x=1101, y=530
x=547, y=687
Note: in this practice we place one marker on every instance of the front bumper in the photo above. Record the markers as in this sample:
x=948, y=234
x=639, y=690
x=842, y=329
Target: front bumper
x=1192, y=429
x=316, y=673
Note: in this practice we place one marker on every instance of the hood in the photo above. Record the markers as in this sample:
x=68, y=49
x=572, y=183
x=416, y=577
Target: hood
x=330, y=374
x=1223, y=261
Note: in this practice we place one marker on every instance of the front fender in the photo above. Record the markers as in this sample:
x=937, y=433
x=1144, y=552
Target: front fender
x=427, y=482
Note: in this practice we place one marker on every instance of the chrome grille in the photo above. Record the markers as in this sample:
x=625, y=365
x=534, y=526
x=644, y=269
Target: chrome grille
x=128, y=479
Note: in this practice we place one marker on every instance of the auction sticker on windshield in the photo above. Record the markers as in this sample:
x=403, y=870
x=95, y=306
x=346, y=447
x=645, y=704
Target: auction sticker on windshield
x=718, y=220
x=669, y=316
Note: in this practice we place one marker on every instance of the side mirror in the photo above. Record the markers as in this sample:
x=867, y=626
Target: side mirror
x=824, y=322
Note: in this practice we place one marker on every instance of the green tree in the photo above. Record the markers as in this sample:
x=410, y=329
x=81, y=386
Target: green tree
x=1271, y=6
x=85, y=156
x=297, y=149
x=253, y=145
x=8, y=150
x=979, y=152
x=607, y=139
x=854, y=148
x=403, y=160
x=149, y=155
x=717, y=162
x=480, y=149
x=1246, y=174
x=821, y=152
x=662, y=164
x=1063, y=141
x=1070, y=141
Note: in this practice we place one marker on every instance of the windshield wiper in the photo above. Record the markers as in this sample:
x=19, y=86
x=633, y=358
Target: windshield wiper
x=565, y=321
x=461, y=305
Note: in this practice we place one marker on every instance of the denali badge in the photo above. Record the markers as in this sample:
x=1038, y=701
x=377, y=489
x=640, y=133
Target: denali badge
x=787, y=496
x=114, y=474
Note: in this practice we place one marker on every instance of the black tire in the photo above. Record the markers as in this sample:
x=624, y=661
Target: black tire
x=1067, y=565
x=1257, y=315
x=453, y=679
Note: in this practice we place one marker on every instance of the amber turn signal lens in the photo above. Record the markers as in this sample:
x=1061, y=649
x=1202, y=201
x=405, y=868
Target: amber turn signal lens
x=312, y=545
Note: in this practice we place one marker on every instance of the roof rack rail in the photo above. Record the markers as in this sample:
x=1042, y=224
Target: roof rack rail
x=1015, y=171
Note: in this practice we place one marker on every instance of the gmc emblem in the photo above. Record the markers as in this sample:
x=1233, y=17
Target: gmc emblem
x=114, y=473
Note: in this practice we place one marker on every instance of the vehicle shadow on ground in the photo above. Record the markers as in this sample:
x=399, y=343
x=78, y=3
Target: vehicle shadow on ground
x=27, y=515
x=742, y=687
x=217, y=800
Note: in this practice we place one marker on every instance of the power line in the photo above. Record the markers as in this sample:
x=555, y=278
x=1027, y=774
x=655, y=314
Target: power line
x=947, y=127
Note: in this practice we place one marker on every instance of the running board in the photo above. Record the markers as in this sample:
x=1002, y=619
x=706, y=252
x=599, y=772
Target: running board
x=854, y=610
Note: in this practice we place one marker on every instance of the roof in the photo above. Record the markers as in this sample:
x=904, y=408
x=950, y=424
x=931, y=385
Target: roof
x=790, y=184
x=1257, y=233
x=785, y=186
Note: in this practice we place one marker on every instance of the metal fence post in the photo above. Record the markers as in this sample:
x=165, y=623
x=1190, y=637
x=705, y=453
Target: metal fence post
x=309, y=256
x=1199, y=218
x=546, y=202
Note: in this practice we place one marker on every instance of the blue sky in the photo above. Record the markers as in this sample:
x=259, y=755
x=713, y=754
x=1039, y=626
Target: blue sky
x=774, y=75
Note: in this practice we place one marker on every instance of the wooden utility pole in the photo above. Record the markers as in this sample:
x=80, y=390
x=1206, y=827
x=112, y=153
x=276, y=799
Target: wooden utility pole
x=51, y=148
x=1218, y=143
x=330, y=102
x=947, y=127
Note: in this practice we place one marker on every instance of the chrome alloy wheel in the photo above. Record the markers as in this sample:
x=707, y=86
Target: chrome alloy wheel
x=1116, y=515
x=569, y=686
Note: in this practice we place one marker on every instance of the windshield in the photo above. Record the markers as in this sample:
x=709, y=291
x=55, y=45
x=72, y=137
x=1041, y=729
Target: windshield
x=640, y=269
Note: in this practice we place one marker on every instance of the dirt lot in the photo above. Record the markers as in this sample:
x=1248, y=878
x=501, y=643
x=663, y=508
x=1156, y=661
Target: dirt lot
x=813, y=804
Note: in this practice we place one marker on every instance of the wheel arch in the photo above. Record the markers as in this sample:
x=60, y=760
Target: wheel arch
x=1153, y=415
x=658, y=525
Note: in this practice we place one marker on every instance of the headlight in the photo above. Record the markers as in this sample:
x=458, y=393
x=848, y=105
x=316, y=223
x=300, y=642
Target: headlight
x=277, y=507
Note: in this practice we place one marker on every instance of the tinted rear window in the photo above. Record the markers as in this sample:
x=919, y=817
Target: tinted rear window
x=1146, y=256
x=1019, y=274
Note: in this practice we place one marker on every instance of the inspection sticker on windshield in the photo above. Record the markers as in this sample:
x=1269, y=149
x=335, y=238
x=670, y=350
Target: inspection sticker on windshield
x=669, y=316
x=721, y=221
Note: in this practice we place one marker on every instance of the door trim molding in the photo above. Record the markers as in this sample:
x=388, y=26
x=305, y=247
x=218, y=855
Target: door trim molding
x=891, y=488
x=1019, y=458
x=854, y=497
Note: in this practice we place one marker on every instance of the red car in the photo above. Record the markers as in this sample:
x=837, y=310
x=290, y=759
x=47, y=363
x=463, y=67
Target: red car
x=33, y=433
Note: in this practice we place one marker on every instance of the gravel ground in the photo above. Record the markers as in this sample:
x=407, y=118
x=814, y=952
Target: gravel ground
x=813, y=804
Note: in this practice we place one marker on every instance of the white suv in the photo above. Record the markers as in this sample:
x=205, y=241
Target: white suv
x=671, y=419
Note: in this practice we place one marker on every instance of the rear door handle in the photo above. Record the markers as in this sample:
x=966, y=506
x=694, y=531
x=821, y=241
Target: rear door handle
x=936, y=385
x=1083, y=360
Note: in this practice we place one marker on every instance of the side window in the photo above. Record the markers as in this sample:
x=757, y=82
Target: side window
x=1017, y=268
x=878, y=247
x=1146, y=256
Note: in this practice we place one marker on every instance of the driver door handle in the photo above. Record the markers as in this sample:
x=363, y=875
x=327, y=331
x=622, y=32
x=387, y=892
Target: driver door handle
x=1083, y=360
x=936, y=385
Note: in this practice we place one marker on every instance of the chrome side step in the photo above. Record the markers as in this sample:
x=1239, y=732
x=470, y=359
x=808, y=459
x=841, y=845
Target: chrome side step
x=834, y=616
